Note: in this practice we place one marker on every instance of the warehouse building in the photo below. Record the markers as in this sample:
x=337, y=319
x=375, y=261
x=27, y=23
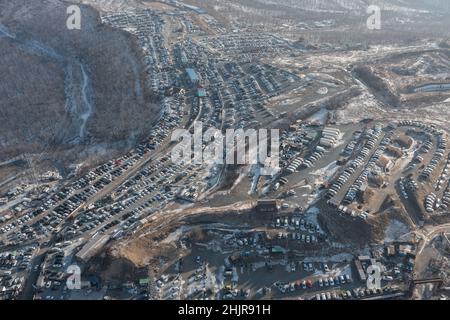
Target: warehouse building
x=192, y=75
x=267, y=206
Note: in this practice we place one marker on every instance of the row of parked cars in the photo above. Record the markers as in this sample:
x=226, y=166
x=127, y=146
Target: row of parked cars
x=444, y=177
x=19, y=259
x=440, y=149
x=305, y=284
x=12, y=267
x=371, y=164
x=296, y=223
x=299, y=237
x=240, y=45
x=436, y=159
x=317, y=154
x=373, y=135
x=430, y=201
x=334, y=281
x=11, y=285
x=356, y=293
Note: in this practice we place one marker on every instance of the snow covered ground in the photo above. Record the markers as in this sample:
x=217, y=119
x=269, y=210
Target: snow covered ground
x=395, y=230
x=320, y=116
x=327, y=172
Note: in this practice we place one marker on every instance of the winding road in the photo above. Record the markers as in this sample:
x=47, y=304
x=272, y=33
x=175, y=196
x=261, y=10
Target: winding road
x=431, y=233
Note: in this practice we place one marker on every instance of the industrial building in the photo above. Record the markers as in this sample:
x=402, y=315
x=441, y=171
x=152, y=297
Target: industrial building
x=192, y=75
x=329, y=138
x=267, y=206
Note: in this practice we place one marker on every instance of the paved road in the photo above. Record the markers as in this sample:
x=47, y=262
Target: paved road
x=432, y=233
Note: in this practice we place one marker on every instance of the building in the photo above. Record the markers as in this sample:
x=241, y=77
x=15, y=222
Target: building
x=405, y=249
x=329, y=137
x=201, y=93
x=144, y=282
x=278, y=250
x=385, y=163
x=267, y=206
x=361, y=263
x=192, y=75
x=390, y=250
x=92, y=247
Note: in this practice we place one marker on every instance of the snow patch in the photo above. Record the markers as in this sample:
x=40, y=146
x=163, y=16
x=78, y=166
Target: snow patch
x=395, y=230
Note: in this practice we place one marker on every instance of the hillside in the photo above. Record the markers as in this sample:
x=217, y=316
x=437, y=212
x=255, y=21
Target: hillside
x=63, y=88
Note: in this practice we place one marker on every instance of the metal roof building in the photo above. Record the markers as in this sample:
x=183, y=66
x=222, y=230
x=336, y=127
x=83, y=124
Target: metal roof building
x=267, y=205
x=92, y=247
x=193, y=77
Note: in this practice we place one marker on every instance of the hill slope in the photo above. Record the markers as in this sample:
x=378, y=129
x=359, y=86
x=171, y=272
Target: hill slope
x=60, y=88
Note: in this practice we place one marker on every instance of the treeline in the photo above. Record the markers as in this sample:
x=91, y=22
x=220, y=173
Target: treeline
x=377, y=85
